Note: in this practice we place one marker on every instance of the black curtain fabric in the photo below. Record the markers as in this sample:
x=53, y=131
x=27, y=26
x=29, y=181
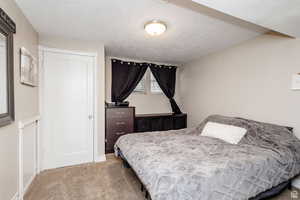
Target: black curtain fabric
x=166, y=79
x=125, y=77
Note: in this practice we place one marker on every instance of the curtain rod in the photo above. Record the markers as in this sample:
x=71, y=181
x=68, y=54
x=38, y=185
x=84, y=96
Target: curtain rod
x=142, y=63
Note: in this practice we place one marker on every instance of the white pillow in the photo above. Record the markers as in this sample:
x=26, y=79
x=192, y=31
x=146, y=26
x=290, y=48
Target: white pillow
x=228, y=133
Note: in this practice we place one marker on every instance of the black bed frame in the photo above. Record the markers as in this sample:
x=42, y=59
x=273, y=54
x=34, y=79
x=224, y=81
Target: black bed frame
x=262, y=196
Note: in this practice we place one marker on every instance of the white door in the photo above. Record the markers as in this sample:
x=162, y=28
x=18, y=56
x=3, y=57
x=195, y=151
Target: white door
x=67, y=108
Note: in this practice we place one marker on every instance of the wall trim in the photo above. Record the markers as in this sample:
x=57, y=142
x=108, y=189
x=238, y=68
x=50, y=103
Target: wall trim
x=22, y=125
x=72, y=52
x=101, y=158
x=27, y=186
x=95, y=105
x=15, y=197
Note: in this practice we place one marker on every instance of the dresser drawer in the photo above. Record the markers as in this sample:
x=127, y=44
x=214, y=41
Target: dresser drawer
x=115, y=134
x=126, y=126
x=111, y=138
x=159, y=122
x=119, y=113
x=119, y=122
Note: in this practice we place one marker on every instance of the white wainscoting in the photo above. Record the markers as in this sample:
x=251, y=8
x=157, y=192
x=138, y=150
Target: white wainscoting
x=15, y=197
x=28, y=153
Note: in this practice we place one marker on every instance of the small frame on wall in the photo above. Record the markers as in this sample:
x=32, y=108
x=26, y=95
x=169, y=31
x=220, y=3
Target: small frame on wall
x=28, y=71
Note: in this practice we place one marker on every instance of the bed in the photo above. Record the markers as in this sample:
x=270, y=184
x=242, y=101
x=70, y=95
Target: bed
x=183, y=165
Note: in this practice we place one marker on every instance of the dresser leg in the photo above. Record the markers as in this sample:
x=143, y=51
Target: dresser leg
x=290, y=185
x=146, y=195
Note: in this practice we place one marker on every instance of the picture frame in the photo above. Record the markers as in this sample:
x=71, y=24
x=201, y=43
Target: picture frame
x=28, y=68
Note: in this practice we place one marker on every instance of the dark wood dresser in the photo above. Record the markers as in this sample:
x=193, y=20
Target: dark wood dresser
x=159, y=122
x=119, y=121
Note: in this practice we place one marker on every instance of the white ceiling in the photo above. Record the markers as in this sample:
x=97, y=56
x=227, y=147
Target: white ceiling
x=279, y=15
x=193, y=30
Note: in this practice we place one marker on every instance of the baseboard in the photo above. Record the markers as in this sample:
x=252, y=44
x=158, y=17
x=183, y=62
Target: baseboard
x=15, y=197
x=101, y=158
x=27, y=186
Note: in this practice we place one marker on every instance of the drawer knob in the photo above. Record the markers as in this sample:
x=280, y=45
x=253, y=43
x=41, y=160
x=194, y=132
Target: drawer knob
x=120, y=133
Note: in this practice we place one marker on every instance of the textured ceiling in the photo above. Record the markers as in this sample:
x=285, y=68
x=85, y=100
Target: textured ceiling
x=279, y=15
x=193, y=30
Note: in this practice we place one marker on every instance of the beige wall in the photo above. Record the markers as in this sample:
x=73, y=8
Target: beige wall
x=26, y=102
x=145, y=103
x=251, y=80
x=85, y=46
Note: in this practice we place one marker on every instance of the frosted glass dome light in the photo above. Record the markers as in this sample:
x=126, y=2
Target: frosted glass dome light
x=155, y=27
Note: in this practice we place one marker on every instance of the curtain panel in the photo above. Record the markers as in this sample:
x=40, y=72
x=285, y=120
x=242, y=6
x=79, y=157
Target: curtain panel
x=125, y=77
x=166, y=79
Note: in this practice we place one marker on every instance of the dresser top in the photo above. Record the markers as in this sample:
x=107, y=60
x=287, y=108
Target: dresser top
x=159, y=115
x=114, y=107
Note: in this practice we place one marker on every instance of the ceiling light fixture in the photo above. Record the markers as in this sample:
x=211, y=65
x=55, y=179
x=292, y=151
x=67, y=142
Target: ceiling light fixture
x=155, y=27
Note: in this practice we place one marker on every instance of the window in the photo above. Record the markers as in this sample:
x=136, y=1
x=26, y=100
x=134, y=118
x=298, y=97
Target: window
x=154, y=87
x=141, y=86
x=148, y=84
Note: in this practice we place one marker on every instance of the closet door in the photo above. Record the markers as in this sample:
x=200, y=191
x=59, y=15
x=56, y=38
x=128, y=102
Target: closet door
x=67, y=109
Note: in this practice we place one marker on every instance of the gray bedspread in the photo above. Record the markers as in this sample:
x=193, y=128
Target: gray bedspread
x=183, y=165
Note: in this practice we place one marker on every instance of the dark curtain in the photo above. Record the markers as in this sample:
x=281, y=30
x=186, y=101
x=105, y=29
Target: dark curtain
x=125, y=77
x=166, y=79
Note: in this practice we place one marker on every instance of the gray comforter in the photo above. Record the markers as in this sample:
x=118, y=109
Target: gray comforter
x=183, y=165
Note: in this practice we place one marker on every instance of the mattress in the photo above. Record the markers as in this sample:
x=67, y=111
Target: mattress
x=184, y=165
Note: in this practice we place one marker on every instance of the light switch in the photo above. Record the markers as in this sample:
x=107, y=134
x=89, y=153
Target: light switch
x=296, y=82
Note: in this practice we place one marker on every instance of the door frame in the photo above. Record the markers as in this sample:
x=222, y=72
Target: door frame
x=94, y=55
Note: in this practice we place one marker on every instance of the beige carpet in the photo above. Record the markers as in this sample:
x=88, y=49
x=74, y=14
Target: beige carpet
x=103, y=181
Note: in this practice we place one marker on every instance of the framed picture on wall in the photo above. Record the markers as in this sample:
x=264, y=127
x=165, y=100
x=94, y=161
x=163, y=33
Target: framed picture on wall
x=28, y=71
